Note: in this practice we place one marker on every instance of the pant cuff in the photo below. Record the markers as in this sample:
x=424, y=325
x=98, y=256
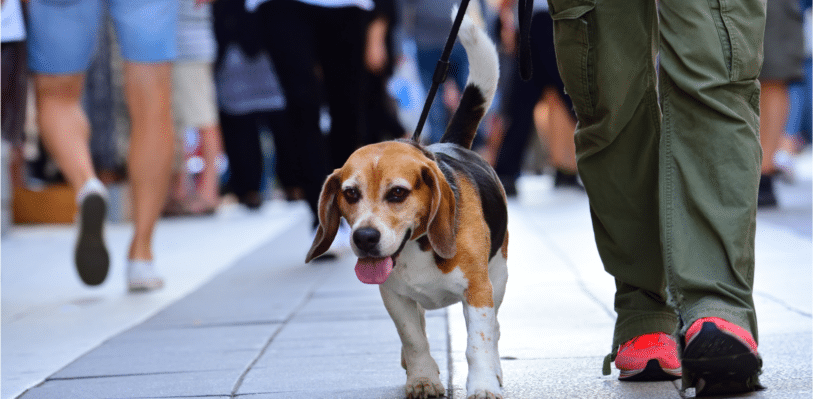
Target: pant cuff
x=645, y=324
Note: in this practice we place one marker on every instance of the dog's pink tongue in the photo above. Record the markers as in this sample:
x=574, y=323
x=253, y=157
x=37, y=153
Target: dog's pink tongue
x=374, y=270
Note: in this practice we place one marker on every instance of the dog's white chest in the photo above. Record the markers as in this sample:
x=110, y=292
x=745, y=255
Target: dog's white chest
x=418, y=277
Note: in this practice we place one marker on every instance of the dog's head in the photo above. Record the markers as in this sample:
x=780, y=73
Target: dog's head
x=389, y=193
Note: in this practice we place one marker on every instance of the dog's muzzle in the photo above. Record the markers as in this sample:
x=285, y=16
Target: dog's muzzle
x=375, y=269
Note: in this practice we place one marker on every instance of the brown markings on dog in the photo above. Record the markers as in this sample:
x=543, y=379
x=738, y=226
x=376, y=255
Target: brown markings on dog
x=473, y=243
x=505, y=246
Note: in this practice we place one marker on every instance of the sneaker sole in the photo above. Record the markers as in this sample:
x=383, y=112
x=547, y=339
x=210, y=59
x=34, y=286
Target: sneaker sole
x=717, y=363
x=91, y=256
x=652, y=372
x=145, y=286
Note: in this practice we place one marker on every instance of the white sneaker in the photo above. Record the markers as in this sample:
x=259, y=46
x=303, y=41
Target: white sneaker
x=90, y=255
x=141, y=276
x=784, y=163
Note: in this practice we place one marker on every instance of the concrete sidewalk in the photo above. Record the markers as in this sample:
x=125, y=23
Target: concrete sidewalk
x=246, y=318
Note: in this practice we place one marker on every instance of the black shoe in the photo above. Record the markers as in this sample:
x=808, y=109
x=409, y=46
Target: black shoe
x=766, y=197
x=252, y=200
x=564, y=179
x=91, y=256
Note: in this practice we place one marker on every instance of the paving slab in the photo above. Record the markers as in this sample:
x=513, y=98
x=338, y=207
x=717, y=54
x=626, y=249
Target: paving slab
x=144, y=351
x=343, y=343
x=49, y=318
x=203, y=343
x=161, y=385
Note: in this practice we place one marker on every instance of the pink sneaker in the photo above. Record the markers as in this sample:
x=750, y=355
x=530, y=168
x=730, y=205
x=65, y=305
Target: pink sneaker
x=649, y=357
x=720, y=358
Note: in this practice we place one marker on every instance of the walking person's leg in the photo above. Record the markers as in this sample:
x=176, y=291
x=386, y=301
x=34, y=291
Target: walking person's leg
x=64, y=127
x=151, y=149
x=241, y=139
x=340, y=47
x=610, y=76
x=709, y=173
x=289, y=37
x=61, y=38
x=146, y=33
x=65, y=132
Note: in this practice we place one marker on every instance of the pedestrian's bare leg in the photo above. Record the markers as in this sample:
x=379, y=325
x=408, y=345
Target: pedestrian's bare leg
x=211, y=148
x=64, y=127
x=773, y=107
x=148, y=92
x=559, y=130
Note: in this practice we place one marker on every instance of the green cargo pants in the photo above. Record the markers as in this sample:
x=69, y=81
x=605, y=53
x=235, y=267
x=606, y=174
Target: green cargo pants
x=667, y=147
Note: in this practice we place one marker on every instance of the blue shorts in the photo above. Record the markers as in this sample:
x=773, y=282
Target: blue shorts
x=63, y=34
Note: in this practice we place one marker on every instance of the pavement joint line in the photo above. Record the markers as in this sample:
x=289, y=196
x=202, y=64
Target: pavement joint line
x=216, y=325
x=182, y=397
x=572, y=267
x=93, y=377
x=782, y=303
x=317, y=319
x=270, y=340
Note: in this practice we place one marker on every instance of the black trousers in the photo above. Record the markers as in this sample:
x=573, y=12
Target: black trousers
x=241, y=140
x=14, y=82
x=318, y=55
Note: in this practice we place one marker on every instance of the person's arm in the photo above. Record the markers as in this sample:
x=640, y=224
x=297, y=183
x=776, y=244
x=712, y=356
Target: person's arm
x=375, y=54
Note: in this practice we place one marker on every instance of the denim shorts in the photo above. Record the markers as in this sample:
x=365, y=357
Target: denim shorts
x=63, y=34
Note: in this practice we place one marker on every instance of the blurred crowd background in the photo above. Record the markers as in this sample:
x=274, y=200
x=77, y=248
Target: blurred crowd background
x=246, y=79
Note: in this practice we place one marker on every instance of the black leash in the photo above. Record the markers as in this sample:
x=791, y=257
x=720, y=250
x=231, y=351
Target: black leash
x=442, y=67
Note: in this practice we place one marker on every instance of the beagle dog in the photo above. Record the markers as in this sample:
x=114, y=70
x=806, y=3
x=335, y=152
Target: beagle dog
x=429, y=226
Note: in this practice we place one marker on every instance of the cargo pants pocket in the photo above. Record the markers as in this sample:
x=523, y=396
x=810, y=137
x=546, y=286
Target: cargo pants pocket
x=574, y=56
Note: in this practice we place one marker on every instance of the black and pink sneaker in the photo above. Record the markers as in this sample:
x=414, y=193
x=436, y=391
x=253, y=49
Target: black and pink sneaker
x=720, y=357
x=649, y=357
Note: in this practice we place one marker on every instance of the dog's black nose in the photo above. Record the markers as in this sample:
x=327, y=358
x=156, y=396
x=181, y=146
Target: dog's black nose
x=366, y=239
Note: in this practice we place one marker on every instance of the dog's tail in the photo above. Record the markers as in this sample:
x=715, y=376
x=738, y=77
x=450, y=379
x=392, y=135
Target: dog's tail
x=484, y=71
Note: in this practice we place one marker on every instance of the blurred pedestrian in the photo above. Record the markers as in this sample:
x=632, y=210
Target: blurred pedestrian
x=194, y=104
x=250, y=100
x=784, y=60
x=14, y=86
x=558, y=122
x=317, y=47
x=380, y=54
x=61, y=37
x=799, y=125
x=665, y=94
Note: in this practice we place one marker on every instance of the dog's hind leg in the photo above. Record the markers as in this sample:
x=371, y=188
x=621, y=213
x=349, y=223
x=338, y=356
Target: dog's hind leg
x=423, y=374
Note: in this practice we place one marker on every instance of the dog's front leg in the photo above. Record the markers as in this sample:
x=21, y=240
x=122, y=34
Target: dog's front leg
x=485, y=375
x=423, y=375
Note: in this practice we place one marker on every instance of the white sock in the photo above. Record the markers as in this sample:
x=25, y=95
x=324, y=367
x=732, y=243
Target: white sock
x=93, y=185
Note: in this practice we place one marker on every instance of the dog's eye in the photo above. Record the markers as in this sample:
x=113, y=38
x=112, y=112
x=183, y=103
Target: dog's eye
x=352, y=195
x=397, y=194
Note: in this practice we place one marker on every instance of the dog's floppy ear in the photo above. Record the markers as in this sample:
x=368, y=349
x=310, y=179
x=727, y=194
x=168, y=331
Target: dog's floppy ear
x=442, y=225
x=329, y=217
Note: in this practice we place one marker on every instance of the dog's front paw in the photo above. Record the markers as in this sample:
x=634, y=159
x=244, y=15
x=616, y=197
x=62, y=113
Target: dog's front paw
x=483, y=394
x=424, y=387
